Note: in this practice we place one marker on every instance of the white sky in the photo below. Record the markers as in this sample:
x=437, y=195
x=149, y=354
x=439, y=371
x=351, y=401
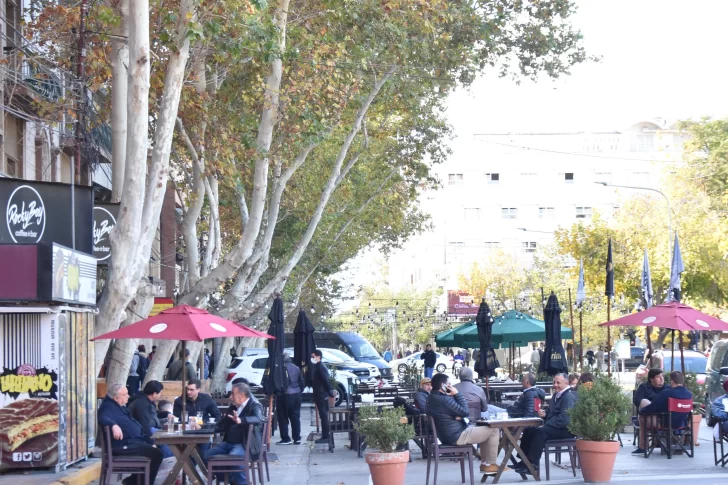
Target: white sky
x=660, y=58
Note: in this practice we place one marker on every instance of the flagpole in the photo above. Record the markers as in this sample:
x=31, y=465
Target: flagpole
x=609, y=337
x=573, y=333
x=581, y=340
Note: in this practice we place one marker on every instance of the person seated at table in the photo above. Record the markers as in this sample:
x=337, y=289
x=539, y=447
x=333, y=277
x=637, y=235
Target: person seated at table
x=525, y=406
x=473, y=394
x=719, y=411
x=585, y=378
x=448, y=407
x=573, y=380
x=143, y=408
x=245, y=412
x=197, y=402
x=643, y=397
x=129, y=437
x=422, y=394
x=677, y=390
x=556, y=420
x=165, y=408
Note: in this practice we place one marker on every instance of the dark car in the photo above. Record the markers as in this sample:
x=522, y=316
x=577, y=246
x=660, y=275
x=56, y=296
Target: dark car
x=716, y=371
x=636, y=356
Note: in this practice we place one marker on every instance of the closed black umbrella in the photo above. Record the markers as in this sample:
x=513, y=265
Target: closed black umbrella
x=554, y=357
x=487, y=361
x=275, y=378
x=303, y=344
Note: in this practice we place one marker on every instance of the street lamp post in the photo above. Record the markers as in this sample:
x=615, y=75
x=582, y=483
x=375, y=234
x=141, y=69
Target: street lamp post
x=651, y=190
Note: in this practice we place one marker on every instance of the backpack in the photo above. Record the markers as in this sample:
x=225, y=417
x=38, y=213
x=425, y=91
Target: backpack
x=142, y=368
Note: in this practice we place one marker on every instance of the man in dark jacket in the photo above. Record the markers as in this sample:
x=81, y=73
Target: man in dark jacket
x=245, y=412
x=289, y=404
x=448, y=408
x=677, y=390
x=719, y=410
x=556, y=420
x=473, y=394
x=129, y=437
x=430, y=358
x=198, y=402
x=643, y=396
x=143, y=408
x=422, y=394
x=525, y=404
x=321, y=391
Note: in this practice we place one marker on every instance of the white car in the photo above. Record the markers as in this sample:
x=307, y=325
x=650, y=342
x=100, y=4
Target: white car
x=252, y=367
x=442, y=363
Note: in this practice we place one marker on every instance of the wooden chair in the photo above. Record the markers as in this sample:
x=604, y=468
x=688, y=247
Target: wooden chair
x=436, y=450
x=122, y=465
x=667, y=437
x=227, y=464
x=722, y=439
x=342, y=421
x=558, y=447
x=262, y=456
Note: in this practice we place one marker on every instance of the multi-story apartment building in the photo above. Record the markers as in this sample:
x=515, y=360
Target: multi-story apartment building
x=510, y=191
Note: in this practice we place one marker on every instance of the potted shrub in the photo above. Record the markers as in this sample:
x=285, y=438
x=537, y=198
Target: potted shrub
x=335, y=386
x=384, y=431
x=700, y=393
x=599, y=412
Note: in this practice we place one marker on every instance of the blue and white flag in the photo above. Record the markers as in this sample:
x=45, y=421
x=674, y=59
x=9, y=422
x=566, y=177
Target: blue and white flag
x=673, y=293
x=580, y=290
x=647, y=294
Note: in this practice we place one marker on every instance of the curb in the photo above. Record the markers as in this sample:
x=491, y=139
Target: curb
x=84, y=476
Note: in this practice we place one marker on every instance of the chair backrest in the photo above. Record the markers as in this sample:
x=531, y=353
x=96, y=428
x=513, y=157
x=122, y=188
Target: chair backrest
x=537, y=404
x=106, y=444
x=679, y=405
x=432, y=432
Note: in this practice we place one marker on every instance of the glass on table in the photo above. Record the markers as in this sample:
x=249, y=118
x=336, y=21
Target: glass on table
x=170, y=426
x=199, y=419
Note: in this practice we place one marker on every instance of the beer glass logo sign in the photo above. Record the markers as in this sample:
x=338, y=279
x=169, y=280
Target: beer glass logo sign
x=25, y=215
x=104, y=222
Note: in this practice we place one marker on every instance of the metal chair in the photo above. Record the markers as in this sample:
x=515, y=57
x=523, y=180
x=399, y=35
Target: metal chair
x=226, y=464
x=667, y=437
x=342, y=421
x=721, y=460
x=421, y=423
x=122, y=465
x=558, y=447
x=436, y=450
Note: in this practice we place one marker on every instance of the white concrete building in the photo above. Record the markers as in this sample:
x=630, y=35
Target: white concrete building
x=505, y=183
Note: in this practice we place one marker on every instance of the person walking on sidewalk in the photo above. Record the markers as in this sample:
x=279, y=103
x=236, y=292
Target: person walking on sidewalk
x=321, y=391
x=289, y=404
x=430, y=358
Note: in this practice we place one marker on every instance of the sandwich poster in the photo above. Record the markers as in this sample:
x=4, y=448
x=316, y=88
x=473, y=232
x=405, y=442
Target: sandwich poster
x=29, y=417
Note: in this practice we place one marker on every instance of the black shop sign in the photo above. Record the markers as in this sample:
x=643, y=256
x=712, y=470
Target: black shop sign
x=104, y=221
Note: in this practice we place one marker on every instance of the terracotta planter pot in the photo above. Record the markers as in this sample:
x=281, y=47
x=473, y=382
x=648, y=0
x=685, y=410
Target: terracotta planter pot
x=387, y=468
x=597, y=459
x=697, y=418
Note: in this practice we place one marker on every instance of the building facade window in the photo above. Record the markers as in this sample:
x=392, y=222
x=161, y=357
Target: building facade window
x=456, y=247
x=491, y=244
x=509, y=213
x=528, y=246
x=645, y=143
x=493, y=178
x=583, y=212
x=472, y=213
x=569, y=177
x=455, y=179
x=546, y=212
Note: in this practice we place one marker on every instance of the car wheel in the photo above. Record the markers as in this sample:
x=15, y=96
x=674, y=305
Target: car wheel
x=340, y=395
x=402, y=368
x=440, y=368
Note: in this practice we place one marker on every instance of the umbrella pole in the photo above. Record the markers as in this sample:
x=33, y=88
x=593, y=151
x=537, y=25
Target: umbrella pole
x=270, y=419
x=184, y=386
x=609, y=337
x=682, y=357
x=573, y=332
x=581, y=340
x=672, y=352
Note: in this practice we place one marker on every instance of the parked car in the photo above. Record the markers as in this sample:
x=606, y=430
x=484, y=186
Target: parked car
x=336, y=359
x=355, y=346
x=716, y=372
x=441, y=365
x=694, y=362
x=252, y=368
x=636, y=356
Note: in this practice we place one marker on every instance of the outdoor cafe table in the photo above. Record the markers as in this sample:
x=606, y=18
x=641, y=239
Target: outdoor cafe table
x=512, y=430
x=184, y=448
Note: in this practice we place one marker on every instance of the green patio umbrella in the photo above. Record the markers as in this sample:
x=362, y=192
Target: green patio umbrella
x=447, y=338
x=511, y=327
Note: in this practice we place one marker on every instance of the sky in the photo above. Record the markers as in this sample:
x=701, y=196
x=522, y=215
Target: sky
x=659, y=58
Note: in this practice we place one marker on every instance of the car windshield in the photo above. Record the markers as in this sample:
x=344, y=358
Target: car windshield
x=694, y=363
x=235, y=362
x=416, y=355
x=338, y=354
x=329, y=356
x=363, y=350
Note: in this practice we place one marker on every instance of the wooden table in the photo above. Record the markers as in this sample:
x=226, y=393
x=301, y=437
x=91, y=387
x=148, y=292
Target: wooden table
x=512, y=430
x=184, y=448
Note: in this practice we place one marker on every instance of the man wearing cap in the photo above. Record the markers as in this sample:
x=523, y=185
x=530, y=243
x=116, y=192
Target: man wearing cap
x=423, y=393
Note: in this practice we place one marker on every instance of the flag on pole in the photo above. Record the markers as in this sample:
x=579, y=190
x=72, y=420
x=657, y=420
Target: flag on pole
x=609, y=287
x=646, y=283
x=580, y=290
x=673, y=293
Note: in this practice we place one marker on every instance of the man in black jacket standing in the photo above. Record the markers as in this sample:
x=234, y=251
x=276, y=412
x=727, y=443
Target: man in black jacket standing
x=289, y=404
x=321, y=391
x=243, y=412
x=128, y=436
x=430, y=358
x=556, y=420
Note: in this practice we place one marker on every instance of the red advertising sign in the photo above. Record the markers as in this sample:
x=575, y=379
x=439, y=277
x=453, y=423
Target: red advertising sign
x=461, y=303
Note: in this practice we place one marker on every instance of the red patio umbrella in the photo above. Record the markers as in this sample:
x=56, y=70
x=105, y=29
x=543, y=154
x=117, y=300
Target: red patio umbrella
x=185, y=323
x=672, y=316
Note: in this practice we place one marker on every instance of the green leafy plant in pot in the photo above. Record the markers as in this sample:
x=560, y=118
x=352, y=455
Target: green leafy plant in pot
x=384, y=431
x=700, y=398
x=600, y=411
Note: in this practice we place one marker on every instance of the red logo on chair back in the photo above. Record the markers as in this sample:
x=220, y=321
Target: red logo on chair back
x=679, y=405
x=537, y=405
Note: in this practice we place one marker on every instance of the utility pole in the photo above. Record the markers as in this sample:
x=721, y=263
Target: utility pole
x=80, y=75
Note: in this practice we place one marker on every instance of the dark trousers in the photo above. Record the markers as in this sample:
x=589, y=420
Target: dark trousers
x=534, y=439
x=132, y=385
x=322, y=403
x=141, y=449
x=289, y=409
